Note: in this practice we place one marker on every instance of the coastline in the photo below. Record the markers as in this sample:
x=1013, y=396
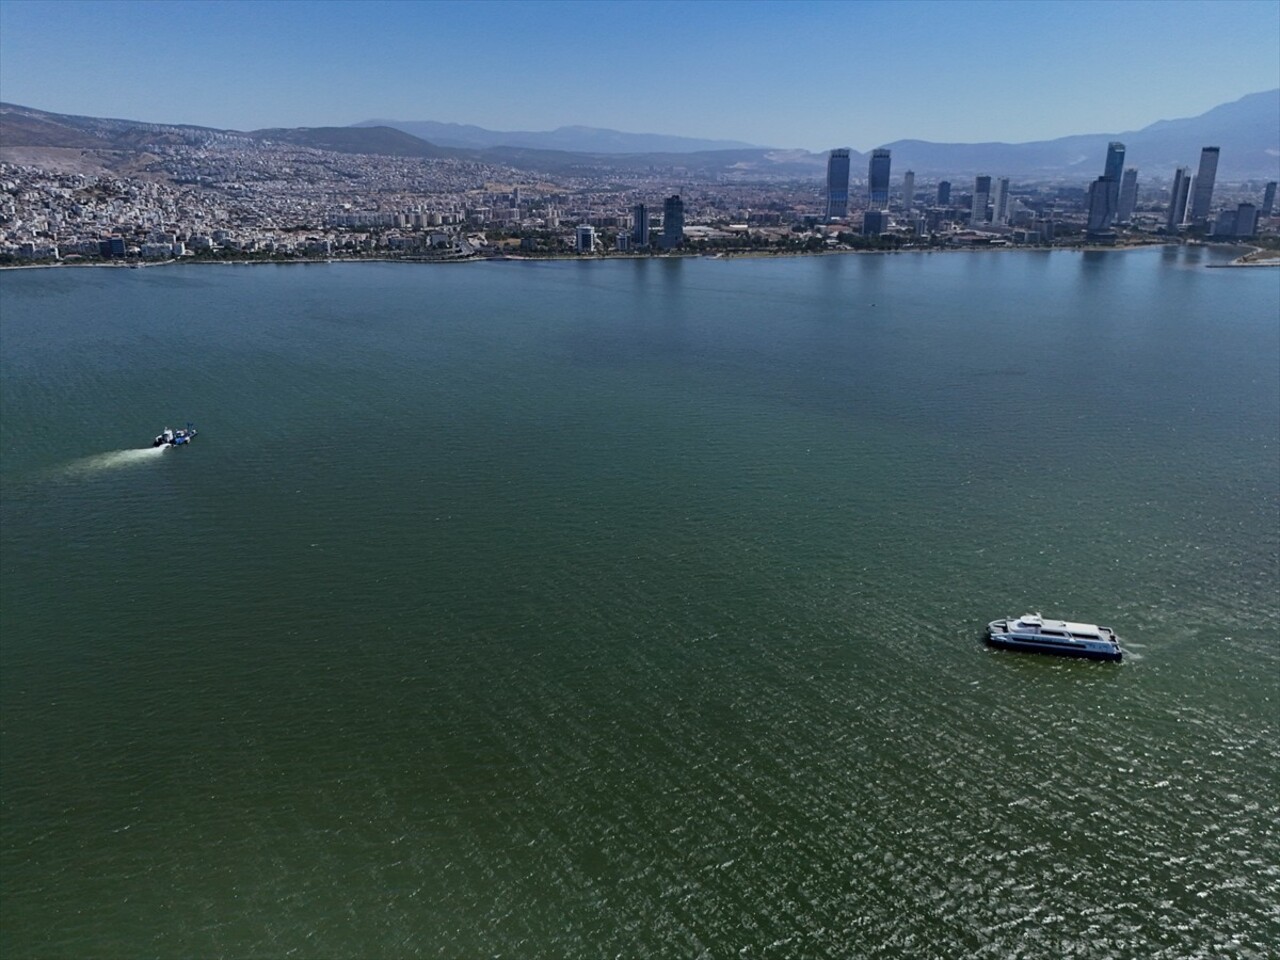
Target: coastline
x=598, y=258
x=1252, y=259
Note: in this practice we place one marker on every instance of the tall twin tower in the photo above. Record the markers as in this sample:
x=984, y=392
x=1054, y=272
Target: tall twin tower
x=838, y=182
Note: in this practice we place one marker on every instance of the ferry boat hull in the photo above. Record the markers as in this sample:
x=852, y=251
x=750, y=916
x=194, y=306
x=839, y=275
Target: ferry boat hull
x=1032, y=633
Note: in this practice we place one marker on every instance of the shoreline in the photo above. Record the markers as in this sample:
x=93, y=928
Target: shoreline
x=1244, y=259
x=598, y=258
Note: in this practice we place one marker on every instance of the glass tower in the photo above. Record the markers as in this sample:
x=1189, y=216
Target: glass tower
x=838, y=185
x=1202, y=196
x=672, y=222
x=981, y=194
x=1128, y=195
x=878, y=179
x=640, y=225
x=1114, y=170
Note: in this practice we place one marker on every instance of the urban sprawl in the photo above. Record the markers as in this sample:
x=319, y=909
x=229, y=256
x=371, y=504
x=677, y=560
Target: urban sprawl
x=220, y=198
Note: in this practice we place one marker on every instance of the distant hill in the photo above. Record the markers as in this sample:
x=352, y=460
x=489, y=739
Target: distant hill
x=381, y=141
x=570, y=139
x=1247, y=130
x=27, y=127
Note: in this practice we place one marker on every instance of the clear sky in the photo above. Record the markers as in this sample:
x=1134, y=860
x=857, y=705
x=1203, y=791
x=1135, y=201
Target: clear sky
x=791, y=74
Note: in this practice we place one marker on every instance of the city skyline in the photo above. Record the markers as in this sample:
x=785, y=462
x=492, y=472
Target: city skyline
x=248, y=65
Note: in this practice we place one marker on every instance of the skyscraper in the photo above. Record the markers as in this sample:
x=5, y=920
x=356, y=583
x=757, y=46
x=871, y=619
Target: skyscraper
x=1128, y=195
x=878, y=179
x=672, y=222
x=1246, y=221
x=1101, y=211
x=838, y=185
x=1114, y=169
x=1202, y=197
x=908, y=190
x=981, y=193
x=1268, y=200
x=944, y=192
x=1000, y=202
x=640, y=225
x=1115, y=160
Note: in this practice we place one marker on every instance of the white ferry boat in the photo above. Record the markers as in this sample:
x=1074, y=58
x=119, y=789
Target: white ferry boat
x=1032, y=632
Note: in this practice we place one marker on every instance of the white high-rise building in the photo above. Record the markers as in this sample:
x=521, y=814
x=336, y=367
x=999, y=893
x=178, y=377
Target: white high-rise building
x=908, y=191
x=1128, y=195
x=1000, y=202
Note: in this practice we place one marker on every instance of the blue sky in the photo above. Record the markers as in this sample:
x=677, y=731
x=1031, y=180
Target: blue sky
x=794, y=74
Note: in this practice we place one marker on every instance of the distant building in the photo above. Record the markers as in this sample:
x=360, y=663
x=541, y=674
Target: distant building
x=875, y=222
x=878, y=179
x=1202, y=195
x=838, y=185
x=908, y=191
x=1102, y=212
x=944, y=192
x=640, y=225
x=1000, y=202
x=1114, y=170
x=586, y=238
x=1268, y=200
x=672, y=222
x=1178, y=192
x=1128, y=195
x=1246, y=221
x=981, y=194
x=622, y=243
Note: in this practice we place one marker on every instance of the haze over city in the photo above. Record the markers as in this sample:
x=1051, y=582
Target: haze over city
x=775, y=74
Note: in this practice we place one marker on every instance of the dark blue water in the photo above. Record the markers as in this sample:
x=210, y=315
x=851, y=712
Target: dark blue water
x=635, y=608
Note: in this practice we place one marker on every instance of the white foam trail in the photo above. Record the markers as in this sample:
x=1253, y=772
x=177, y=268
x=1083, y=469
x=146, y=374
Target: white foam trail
x=114, y=459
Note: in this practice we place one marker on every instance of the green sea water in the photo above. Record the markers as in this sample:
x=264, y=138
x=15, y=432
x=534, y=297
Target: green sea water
x=635, y=609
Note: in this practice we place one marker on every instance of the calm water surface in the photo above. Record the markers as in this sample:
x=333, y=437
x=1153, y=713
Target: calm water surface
x=634, y=609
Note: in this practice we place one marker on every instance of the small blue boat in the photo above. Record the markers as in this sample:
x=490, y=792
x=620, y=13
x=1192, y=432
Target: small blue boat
x=174, y=438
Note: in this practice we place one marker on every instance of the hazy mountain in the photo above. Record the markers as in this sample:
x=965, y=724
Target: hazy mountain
x=23, y=127
x=571, y=139
x=1247, y=130
x=382, y=141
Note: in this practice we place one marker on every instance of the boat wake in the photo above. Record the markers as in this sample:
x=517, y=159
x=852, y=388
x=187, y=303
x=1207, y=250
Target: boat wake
x=114, y=460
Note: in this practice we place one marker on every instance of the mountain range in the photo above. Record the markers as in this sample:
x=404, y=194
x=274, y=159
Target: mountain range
x=571, y=139
x=1247, y=131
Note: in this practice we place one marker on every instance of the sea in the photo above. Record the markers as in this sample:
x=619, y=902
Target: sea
x=635, y=608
